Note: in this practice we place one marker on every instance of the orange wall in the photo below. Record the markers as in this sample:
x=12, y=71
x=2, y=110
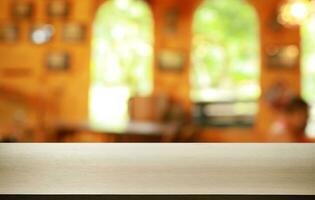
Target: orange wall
x=69, y=90
x=174, y=83
x=270, y=76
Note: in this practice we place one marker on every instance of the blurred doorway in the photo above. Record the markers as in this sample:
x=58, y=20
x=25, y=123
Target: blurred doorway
x=226, y=58
x=122, y=54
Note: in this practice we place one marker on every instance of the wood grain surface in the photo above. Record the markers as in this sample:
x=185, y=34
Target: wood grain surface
x=157, y=169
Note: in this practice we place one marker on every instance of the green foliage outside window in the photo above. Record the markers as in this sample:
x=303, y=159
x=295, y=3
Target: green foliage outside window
x=121, y=60
x=225, y=54
x=308, y=68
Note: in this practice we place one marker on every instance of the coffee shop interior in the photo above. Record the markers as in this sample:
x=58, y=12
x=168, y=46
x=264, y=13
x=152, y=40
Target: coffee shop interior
x=157, y=70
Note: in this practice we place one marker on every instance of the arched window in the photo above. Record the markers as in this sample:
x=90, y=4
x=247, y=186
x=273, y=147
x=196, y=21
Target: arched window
x=308, y=69
x=121, y=60
x=225, y=54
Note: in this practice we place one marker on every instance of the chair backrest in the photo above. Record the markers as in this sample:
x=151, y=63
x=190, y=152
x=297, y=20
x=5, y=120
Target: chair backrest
x=148, y=109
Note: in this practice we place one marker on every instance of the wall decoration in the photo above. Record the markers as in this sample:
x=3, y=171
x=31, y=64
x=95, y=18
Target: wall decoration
x=8, y=33
x=58, y=8
x=59, y=61
x=278, y=94
x=273, y=22
x=41, y=34
x=171, y=59
x=22, y=9
x=282, y=57
x=73, y=32
x=171, y=20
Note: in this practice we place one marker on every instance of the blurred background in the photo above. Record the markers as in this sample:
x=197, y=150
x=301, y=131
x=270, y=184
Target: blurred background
x=156, y=70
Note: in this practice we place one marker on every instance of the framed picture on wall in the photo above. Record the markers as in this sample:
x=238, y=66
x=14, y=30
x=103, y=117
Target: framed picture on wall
x=58, y=8
x=22, y=9
x=170, y=59
x=58, y=61
x=41, y=34
x=8, y=33
x=73, y=32
x=282, y=56
x=171, y=20
x=278, y=94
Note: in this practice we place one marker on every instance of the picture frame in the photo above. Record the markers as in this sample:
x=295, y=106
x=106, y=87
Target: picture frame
x=58, y=61
x=8, y=33
x=171, y=20
x=282, y=56
x=58, y=8
x=73, y=32
x=170, y=59
x=22, y=9
x=41, y=34
x=278, y=94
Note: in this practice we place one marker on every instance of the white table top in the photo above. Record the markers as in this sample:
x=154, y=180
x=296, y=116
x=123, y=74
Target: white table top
x=157, y=169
